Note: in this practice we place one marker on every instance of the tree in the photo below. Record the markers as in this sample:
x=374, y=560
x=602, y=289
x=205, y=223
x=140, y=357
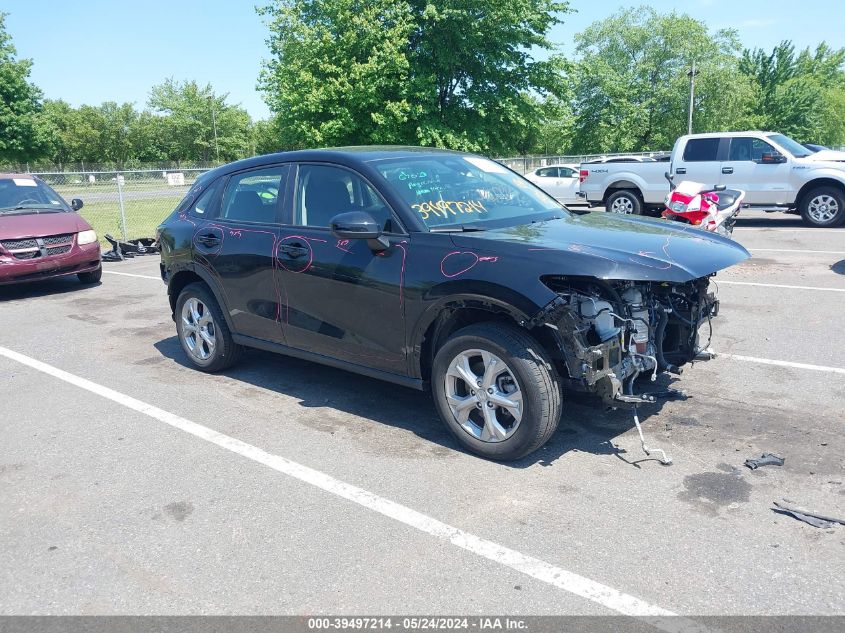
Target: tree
x=199, y=125
x=800, y=96
x=21, y=136
x=631, y=88
x=453, y=73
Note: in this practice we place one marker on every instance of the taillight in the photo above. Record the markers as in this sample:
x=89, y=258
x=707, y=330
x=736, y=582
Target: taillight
x=582, y=174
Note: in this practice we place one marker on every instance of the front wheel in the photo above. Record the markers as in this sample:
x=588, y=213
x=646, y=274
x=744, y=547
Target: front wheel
x=823, y=207
x=625, y=201
x=92, y=276
x=496, y=391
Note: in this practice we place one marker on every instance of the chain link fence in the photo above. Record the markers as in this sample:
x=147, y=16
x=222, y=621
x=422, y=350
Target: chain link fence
x=125, y=204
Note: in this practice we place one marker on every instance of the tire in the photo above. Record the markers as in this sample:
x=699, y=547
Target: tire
x=92, y=276
x=199, y=323
x=526, y=369
x=624, y=202
x=823, y=207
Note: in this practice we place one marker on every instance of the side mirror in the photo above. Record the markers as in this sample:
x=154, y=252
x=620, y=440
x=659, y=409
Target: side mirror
x=76, y=204
x=772, y=158
x=358, y=225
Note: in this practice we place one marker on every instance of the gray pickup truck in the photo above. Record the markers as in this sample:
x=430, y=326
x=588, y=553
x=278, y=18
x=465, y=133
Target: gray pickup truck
x=776, y=173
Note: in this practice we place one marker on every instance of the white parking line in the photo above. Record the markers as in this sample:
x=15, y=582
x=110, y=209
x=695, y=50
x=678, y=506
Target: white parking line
x=783, y=363
x=751, y=283
x=540, y=570
x=787, y=250
x=114, y=272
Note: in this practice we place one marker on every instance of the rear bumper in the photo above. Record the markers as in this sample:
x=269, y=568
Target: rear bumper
x=80, y=259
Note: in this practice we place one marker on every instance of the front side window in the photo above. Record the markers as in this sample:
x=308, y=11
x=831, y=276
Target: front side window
x=450, y=189
x=749, y=149
x=253, y=196
x=324, y=191
x=700, y=150
x=566, y=172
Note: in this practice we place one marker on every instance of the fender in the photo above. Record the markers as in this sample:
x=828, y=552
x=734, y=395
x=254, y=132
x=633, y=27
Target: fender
x=210, y=280
x=469, y=294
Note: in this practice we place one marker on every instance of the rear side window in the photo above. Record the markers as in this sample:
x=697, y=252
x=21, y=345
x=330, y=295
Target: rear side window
x=547, y=172
x=253, y=196
x=701, y=149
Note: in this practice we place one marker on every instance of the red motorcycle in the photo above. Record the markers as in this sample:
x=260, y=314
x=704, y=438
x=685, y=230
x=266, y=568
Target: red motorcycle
x=711, y=209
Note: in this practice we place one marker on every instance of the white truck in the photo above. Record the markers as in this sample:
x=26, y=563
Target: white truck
x=777, y=174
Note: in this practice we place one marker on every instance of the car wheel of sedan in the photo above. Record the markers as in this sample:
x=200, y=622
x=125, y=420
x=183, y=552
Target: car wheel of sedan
x=202, y=330
x=625, y=202
x=496, y=390
x=92, y=276
x=823, y=206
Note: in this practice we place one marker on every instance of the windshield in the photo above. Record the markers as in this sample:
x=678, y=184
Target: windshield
x=793, y=147
x=25, y=192
x=452, y=190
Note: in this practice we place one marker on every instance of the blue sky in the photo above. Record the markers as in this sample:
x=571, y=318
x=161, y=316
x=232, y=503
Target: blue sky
x=90, y=51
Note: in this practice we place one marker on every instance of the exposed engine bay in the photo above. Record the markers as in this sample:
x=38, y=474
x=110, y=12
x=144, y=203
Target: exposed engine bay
x=610, y=332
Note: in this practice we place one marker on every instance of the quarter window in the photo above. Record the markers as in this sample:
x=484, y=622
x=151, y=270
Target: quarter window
x=323, y=191
x=203, y=207
x=700, y=150
x=253, y=196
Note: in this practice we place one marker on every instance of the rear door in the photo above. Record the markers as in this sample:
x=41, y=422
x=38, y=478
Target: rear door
x=238, y=247
x=701, y=161
x=763, y=183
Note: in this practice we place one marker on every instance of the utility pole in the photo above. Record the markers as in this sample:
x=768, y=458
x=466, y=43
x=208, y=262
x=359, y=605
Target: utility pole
x=691, y=74
x=214, y=125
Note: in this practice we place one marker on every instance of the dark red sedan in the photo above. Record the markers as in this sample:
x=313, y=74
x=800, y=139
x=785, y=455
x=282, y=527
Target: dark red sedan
x=41, y=236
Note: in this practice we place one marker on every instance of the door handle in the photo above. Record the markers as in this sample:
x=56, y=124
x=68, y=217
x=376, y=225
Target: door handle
x=681, y=170
x=727, y=170
x=208, y=240
x=293, y=250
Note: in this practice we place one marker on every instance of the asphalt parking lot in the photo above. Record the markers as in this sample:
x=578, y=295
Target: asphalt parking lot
x=333, y=493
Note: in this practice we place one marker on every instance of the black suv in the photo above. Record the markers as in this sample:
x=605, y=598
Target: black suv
x=429, y=267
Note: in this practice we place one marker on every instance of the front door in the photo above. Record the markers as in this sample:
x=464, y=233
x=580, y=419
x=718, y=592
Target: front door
x=341, y=298
x=763, y=183
x=238, y=246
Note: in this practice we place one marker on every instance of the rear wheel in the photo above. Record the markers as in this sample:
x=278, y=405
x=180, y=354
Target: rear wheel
x=202, y=330
x=496, y=391
x=92, y=276
x=823, y=207
x=625, y=202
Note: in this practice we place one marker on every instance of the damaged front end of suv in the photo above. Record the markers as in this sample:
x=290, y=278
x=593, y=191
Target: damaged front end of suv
x=610, y=332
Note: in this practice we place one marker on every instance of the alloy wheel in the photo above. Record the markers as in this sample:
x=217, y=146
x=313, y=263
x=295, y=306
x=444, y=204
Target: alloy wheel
x=198, y=329
x=483, y=395
x=622, y=205
x=823, y=208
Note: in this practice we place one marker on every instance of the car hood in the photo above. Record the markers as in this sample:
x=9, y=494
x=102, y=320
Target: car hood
x=612, y=247
x=17, y=226
x=826, y=156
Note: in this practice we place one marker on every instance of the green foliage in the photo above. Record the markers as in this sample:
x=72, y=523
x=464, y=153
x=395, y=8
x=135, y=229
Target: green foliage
x=631, y=88
x=454, y=73
x=801, y=96
x=21, y=134
x=197, y=124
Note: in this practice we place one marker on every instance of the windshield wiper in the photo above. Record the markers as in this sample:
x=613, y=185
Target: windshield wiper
x=455, y=228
